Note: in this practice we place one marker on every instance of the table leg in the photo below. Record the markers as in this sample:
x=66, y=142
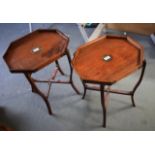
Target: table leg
x=59, y=68
x=37, y=91
x=137, y=84
x=85, y=89
x=103, y=104
x=71, y=73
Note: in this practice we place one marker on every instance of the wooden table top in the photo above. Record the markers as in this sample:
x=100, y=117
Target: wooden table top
x=35, y=50
x=108, y=59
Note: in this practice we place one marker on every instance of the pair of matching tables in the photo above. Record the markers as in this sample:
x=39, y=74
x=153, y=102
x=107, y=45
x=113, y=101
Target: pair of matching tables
x=102, y=62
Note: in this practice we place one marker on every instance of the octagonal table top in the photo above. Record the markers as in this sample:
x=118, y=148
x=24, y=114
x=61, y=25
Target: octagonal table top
x=35, y=50
x=108, y=59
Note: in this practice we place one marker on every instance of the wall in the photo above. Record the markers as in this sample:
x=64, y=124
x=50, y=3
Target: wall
x=140, y=28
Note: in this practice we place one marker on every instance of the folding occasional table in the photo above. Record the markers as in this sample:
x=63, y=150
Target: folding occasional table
x=106, y=60
x=36, y=50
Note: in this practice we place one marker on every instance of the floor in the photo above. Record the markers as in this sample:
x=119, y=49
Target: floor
x=23, y=110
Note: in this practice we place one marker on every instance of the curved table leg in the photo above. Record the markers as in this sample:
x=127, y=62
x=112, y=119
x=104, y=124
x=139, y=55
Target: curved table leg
x=85, y=89
x=71, y=73
x=133, y=101
x=37, y=91
x=59, y=68
x=138, y=83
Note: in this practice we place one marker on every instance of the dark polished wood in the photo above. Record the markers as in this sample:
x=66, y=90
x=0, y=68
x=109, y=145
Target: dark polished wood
x=125, y=57
x=35, y=51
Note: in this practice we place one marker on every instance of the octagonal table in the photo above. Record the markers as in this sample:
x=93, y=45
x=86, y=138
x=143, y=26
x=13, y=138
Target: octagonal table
x=35, y=51
x=106, y=60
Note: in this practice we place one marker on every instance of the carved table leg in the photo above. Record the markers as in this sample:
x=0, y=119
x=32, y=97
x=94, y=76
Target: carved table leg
x=37, y=91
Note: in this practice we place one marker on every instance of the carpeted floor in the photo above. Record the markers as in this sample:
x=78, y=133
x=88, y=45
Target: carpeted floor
x=23, y=110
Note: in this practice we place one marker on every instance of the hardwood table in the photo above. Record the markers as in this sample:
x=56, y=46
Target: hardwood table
x=106, y=60
x=35, y=51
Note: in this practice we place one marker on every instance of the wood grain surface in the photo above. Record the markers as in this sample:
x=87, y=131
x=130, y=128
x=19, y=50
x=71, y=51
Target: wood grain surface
x=21, y=58
x=127, y=56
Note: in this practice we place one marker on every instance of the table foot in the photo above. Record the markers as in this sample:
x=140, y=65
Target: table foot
x=103, y=104
x=133, y=101
x=74, y=87
x=84, y=93
x=47, y=104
